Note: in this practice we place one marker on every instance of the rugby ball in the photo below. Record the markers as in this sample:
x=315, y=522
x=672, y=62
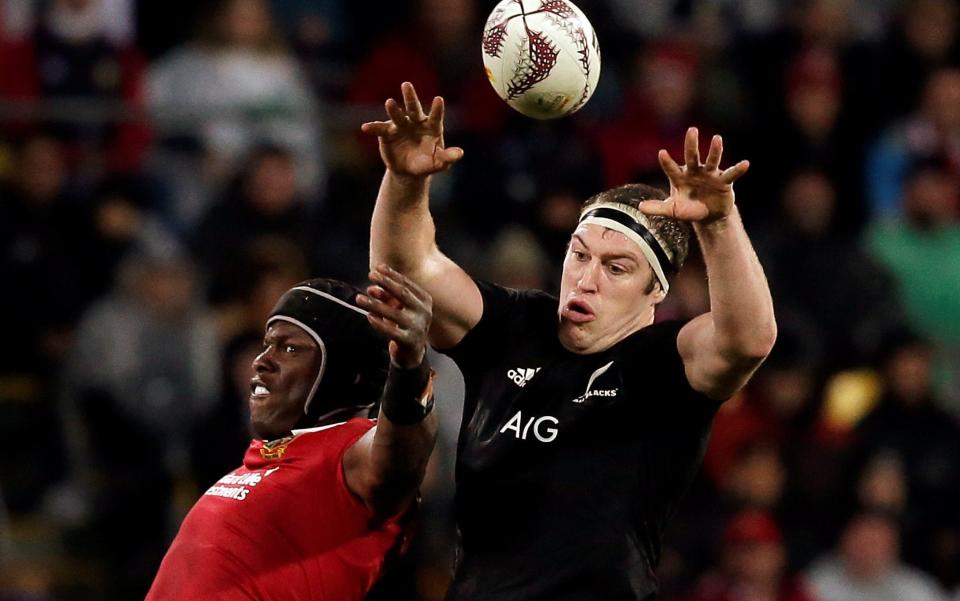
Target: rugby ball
x=541, y=56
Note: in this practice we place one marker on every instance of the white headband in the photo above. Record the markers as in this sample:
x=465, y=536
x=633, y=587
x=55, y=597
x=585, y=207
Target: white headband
x=634, y=225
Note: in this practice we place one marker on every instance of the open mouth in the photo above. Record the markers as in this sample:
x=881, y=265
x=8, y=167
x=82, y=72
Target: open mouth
x=578, y=311
x=258, y=390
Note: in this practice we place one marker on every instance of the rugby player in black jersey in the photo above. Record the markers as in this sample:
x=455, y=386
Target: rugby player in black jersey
x=584, y=421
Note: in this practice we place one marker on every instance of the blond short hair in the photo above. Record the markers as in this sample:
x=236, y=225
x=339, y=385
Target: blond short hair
x=673, y=234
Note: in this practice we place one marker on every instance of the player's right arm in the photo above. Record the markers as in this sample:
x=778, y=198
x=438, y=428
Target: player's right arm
x=387, y=464
x=402, y=232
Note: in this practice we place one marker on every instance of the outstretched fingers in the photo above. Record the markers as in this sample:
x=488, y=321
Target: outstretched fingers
x=398, y=308
x=450, y=155
x=396, y=113
x=669, y=166
x=385, y=326
x=382, y=295
x=437, y=109
x=382, y=305
x=691, y=148
x=661, y=208
x=411, y=102
x=385, y=306
x=684, y=211
x=400, y=286
x=732, y=174
x=379, y=128
x=715, y=154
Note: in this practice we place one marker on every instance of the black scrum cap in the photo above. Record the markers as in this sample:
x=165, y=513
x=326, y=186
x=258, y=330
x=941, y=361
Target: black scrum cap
x=354, y=360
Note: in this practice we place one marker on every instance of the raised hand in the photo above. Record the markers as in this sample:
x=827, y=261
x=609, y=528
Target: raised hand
x=400, y=310
x=411, y=143
x=699, y=192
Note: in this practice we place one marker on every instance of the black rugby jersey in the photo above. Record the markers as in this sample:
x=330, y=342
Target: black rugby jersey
x=568, y=466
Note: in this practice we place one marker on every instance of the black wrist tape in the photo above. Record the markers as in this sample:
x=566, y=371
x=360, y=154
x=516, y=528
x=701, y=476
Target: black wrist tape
x=408, y=395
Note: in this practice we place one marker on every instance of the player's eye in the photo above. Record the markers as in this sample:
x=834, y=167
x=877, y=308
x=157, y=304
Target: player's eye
x=579, y=255
x=289, y=348
x=616, y=269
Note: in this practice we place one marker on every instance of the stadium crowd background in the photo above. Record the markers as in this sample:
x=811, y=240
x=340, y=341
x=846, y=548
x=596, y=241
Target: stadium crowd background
x=168, y=168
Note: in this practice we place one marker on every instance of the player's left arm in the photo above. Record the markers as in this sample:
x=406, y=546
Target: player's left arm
x=720, y=349
x=386, y=465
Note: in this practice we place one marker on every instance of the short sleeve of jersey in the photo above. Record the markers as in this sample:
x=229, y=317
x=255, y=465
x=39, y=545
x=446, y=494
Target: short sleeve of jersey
x=506, y=312
x=660, y=368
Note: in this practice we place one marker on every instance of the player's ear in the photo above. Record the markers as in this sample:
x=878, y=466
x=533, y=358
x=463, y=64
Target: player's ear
x=656, y=291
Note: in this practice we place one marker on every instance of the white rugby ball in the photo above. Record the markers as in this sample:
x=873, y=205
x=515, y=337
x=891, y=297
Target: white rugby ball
x=541, y=56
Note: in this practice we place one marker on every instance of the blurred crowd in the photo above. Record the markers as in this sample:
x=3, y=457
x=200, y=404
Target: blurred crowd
x=168, y=169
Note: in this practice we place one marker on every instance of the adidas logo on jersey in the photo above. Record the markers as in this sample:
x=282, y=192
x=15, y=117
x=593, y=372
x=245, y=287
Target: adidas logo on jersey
x=521, y=375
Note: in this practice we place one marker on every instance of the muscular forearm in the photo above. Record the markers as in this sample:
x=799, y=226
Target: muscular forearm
x=740, y=303
x=401, y=453
x=402, y=233
x=403, y=449
x=403, y=439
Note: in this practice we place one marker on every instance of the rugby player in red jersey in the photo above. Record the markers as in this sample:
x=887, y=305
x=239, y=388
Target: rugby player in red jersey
x=319, y=501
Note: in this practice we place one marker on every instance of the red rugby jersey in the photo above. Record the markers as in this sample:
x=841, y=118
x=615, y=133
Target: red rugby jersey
x=282, y=526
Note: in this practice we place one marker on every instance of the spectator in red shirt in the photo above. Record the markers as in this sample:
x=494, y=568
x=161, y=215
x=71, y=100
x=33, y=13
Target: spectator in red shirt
x=660, y=103
x=69, y=57
x=754, y=565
